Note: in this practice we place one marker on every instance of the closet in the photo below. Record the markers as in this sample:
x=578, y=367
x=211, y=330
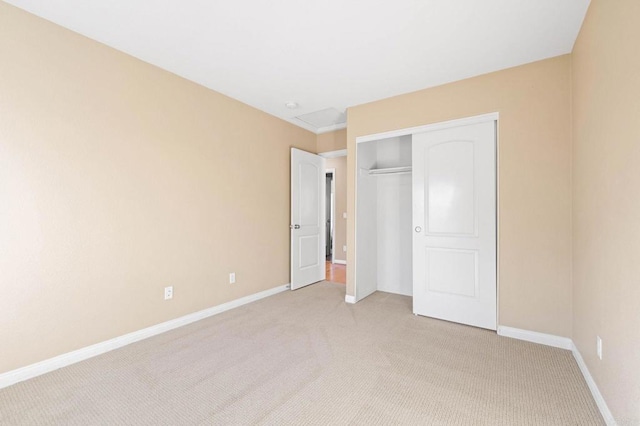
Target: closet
x=426, y=218
x=384, y=240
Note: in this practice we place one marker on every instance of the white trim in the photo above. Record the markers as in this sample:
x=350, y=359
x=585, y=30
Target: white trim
x=597, y=396
x=497, y=164
x=297, y=122
x=354, y=261
x=11, y=377
x=493, y=116
x=340, y=262
x=316, y=130
x=535, y=337
x=334, y=154
x=331, y=128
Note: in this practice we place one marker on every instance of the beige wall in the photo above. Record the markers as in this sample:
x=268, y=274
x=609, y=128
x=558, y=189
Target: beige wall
x=340, y=231
x=118, y=179
x=534, y=179
x=606, y=211
x=332, y=141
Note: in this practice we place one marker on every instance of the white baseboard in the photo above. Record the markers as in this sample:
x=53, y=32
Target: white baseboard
x=597, y=396
x=340, y=262
x=11, y=377
x=535, y=337
x=563, y=343
x=350, y=299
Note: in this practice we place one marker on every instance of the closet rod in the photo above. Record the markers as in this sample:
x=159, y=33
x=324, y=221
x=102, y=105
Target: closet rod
x=390, y=171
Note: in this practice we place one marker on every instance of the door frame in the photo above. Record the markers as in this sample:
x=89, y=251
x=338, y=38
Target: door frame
x=465, y=121
x=332, y=171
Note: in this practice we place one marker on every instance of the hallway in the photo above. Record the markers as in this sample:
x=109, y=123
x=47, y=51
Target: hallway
x=336, y=273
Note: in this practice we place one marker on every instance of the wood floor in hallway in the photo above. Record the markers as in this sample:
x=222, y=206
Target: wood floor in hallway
x=336, y=273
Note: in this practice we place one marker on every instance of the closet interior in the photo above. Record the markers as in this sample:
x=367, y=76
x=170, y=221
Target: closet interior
x=384, y=217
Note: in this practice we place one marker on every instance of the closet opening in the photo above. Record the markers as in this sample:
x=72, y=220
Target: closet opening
x=384, y=217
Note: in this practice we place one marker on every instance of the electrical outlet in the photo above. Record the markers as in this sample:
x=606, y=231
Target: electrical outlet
x=168, y=293
x=232, y=278
x=344, y=249
x=599, y=347
x=344, y=215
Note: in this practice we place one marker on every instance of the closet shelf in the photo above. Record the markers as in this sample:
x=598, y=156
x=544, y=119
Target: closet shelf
x=390, y=171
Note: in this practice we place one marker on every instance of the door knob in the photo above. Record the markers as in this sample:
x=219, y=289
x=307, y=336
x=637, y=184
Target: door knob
x=294, y=226
x=418, y=229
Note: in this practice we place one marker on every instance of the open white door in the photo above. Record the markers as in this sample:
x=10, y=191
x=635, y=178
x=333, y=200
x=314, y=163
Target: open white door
x=454, y=220
x=307, y=218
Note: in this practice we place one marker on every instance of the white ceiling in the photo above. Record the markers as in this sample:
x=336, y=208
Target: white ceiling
x=323, y=54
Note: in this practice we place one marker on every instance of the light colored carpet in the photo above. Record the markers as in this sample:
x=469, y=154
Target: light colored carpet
x=306, y=357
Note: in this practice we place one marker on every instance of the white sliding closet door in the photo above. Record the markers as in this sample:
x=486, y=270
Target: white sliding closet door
x=454, y=221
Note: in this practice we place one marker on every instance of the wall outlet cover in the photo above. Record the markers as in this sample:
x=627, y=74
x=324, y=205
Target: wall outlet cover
x=168, y=293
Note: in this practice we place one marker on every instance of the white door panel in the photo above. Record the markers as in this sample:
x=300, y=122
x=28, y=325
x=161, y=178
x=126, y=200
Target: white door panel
x=307, y=218
x=450, y=194
x=454, y=214
x=452, y=271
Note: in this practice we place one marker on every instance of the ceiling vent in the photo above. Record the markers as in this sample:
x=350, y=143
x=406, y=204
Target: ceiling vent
x=325, y=119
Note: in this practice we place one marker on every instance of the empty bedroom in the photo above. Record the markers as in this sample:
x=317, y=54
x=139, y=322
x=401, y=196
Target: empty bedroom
x=419, y=212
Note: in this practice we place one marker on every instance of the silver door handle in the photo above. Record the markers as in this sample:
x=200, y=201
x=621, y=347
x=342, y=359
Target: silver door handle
x=418, y=229
x=294, y=226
